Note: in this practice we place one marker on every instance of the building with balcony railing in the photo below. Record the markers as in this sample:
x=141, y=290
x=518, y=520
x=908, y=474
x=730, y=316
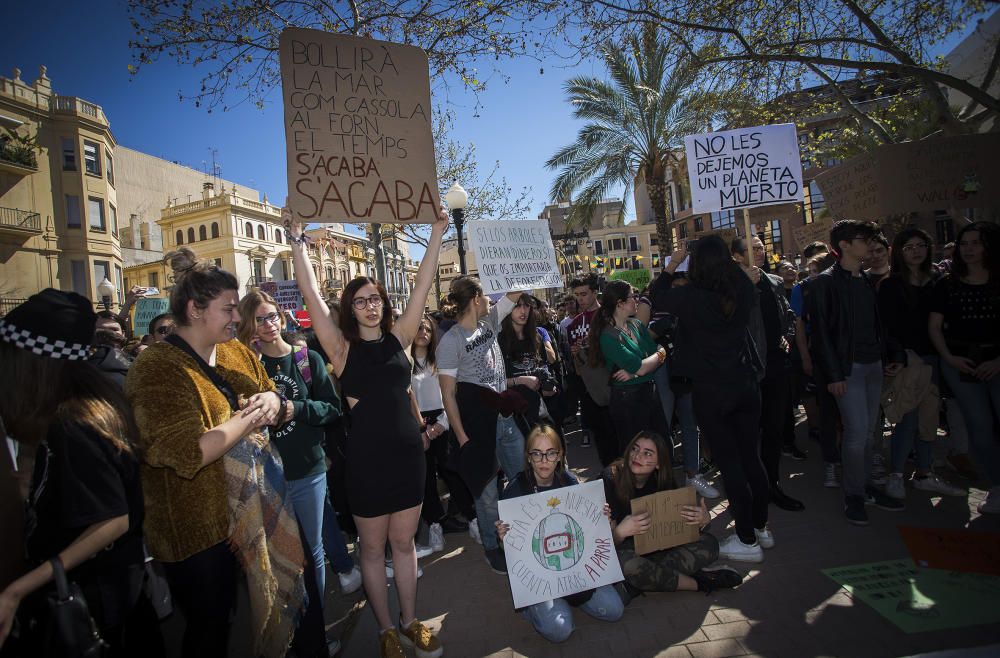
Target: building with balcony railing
x=58, y=192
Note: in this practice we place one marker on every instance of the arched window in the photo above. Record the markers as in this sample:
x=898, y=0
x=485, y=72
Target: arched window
x=180, y=236
x=191, y=234
x=260, y=233
x=215, y=229
x=277, y=235
x=329, y=273
x=202, y=233
x=249, y=230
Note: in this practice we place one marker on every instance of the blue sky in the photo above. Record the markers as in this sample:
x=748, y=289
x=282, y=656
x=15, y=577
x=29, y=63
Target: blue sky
x=85, y=47
x=86, y=51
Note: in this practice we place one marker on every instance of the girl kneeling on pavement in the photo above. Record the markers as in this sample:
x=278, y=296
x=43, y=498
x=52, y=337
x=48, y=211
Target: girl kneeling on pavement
x=643, y=470
x=544, y=471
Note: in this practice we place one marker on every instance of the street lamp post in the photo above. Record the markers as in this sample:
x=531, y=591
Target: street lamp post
x=457, y=199
x=106, y=289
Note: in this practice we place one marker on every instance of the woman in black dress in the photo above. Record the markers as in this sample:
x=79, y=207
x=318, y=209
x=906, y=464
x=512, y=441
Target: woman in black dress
x=385, y=453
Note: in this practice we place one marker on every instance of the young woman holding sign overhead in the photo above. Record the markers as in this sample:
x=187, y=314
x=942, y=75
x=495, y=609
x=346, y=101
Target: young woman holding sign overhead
x=643, y=470
x=544, y=471
x=385, y=482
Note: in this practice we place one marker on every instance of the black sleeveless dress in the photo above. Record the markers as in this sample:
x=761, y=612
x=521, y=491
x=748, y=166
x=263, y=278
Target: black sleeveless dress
x=385, y=455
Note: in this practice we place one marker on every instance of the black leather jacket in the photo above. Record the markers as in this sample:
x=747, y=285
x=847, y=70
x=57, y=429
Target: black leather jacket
x=828, y=304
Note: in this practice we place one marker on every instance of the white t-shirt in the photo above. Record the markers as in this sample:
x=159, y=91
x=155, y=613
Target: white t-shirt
x=474, y=357
x=427, y=391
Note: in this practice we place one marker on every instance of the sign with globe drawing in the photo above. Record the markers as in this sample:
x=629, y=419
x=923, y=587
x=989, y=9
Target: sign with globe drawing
x=559, y=543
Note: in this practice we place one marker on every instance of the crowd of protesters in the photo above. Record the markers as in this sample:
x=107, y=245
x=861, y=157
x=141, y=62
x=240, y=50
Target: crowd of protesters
x=224, y=447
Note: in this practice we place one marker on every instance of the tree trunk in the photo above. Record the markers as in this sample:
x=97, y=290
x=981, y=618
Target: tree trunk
x=657, y=190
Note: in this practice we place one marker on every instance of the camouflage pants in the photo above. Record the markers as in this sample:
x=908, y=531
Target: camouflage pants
x=659, y=571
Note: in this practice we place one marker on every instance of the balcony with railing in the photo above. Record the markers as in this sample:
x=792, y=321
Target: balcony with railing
x=23, y=222
x=219, y=201
x=77, y=106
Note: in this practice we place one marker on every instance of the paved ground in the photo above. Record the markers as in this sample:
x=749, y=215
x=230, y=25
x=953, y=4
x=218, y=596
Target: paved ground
x=786, y=607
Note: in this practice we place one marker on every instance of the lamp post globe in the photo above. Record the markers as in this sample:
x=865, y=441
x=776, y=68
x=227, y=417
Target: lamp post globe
x=457, y=198
x=106, y=290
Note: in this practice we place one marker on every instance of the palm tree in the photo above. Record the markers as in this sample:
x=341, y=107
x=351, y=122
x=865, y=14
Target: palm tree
x=636, y=124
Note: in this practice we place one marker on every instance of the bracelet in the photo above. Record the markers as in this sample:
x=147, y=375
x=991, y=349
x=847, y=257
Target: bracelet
x=661, y=354
x=302, y=239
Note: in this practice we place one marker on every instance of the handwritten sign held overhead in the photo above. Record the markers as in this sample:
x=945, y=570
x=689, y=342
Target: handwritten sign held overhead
x=744, y=168
x=514, y=255
x=357, y=129
x=145, y=310
x=559, y=543
x=667, y=527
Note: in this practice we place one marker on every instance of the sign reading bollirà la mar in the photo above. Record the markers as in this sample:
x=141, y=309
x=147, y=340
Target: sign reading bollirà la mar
x=357, y=129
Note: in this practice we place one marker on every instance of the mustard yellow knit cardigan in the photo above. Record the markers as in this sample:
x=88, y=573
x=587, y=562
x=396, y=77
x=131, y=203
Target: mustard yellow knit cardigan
x=174, y=404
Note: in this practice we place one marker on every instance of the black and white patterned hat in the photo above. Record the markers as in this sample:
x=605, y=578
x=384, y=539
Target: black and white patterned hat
x=56, y=324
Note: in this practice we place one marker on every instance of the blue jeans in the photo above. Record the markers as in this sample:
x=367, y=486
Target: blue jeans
x=308, y=495
x=858, y=413
x=978, y=402
x=554, y=619
x=333, y=540
x=510, y=447
x=487, y=515
x=904, y=435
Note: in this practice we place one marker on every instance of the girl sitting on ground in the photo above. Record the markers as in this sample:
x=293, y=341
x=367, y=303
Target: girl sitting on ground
x=544, y=471
x=643, y=470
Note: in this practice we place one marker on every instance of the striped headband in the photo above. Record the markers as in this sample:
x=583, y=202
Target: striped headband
x=42, y=346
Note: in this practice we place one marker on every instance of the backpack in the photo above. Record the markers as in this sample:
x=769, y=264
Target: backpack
x=302, y=363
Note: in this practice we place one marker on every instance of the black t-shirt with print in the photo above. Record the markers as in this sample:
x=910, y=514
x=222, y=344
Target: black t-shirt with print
x=971, y=313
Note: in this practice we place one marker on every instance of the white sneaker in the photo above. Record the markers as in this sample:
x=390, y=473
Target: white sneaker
x=933, y=483
x=764, y=537
x=422, y=551
x=894, y=486
x=830, y=480
x=350, y=581
x=992, y=503
x=436, y=537
x=391, y=573
x=731, y=548
x=704, y=488
x=474, y=531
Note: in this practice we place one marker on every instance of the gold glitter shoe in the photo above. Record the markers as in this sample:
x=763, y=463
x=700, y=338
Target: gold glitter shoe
x=389, y=645
x=418, y=637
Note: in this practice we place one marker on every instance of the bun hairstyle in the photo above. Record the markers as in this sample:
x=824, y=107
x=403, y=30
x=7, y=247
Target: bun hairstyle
x=246, y=330
x=614, y=292
x=195, y=279
x=464, y=290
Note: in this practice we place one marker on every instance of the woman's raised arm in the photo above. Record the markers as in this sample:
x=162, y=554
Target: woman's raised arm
x=406, y=326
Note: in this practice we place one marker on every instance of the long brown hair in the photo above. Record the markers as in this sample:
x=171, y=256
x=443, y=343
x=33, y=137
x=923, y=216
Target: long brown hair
x=622, y=475
x=197, y=280
x=349, y=323
x=614, y=292
x=431, y=347
x=37, y=393
x=510, y=344
x=246, y=330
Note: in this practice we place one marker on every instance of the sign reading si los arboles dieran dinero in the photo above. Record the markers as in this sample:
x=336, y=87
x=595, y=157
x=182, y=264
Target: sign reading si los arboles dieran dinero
x=357, y=129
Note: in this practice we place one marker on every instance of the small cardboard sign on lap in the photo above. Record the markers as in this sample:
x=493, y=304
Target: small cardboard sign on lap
x=559, y=543
x=667, y=527
x=357, y=129
x=744, y=168
x=514, y=255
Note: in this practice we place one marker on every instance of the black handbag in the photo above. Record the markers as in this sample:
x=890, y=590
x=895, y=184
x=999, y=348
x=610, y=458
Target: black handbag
x=71, y=631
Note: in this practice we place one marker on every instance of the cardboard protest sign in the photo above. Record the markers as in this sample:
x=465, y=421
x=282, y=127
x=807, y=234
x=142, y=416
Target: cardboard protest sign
x=922, y=176
x=357, y=129
x=514, y=255
x=955, y=549
x=817, y=231
x=918, y=600
x=667, y=527
x=559, y=543
x=285, y=293
x=145, y=311
x=744, y=168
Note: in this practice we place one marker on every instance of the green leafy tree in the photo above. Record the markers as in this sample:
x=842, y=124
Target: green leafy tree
x=635, y=123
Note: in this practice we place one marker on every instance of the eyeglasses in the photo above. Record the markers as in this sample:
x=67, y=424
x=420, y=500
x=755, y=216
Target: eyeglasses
x=164, y=330
x=919, y=246
x=270, y=318
x=549, y=455
x=645, y=454
x=375, y=301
